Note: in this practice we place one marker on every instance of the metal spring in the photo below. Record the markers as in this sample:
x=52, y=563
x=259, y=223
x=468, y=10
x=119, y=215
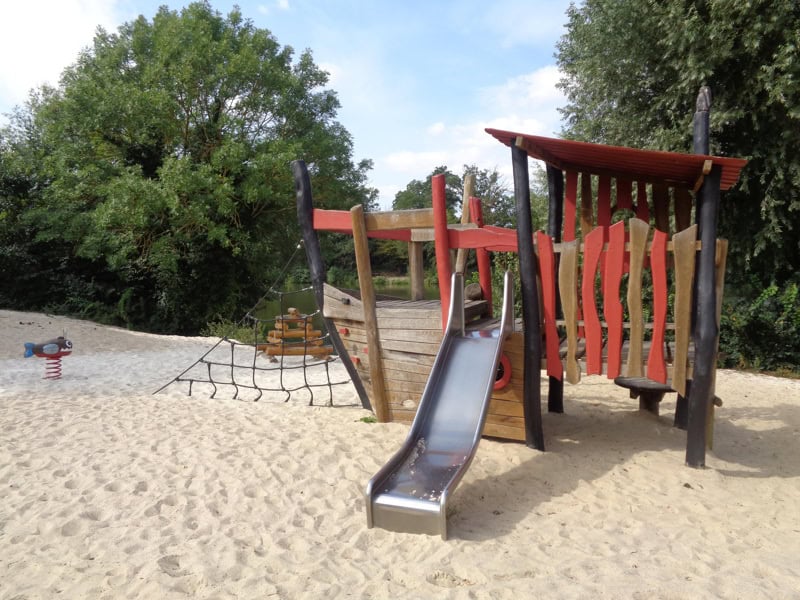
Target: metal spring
x=52, y=369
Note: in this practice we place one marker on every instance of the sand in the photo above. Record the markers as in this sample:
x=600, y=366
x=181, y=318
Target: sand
x=109, y=491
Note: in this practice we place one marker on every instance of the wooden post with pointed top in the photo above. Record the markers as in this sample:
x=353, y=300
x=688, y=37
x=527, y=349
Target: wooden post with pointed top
x=532, y=339
x=706, y=328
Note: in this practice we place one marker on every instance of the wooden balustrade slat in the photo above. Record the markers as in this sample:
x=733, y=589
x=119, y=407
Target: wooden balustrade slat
x=684, y=244
x=547, y=271
x=656, y=365
x=570, y=205
x=593, y=247
x=639, y=232
x=612, y=305
x=642, y=209
x=567, y=283
x=587, y=223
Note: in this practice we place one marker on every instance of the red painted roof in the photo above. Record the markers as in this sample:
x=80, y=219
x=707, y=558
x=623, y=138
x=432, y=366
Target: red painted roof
x=622, y=162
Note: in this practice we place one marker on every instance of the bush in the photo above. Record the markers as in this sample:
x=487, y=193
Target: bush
x=763, y=333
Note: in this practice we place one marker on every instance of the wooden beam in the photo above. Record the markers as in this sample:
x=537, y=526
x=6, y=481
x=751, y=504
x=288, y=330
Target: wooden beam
x=364, y=268
x=532, y=399
x=398, y=219
x=416, y=270
x=305, y=218
x=469, y=187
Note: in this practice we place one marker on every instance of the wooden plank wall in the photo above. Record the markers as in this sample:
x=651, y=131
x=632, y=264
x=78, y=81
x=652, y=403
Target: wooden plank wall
x=410, y=339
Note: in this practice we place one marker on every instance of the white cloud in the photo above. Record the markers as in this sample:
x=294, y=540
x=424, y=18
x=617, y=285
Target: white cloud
x=437, y=128
x=531, y=100
x=39, y=38
x=527, y=103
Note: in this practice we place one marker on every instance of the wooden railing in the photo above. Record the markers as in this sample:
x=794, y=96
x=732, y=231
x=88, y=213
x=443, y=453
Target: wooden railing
x=603, y=334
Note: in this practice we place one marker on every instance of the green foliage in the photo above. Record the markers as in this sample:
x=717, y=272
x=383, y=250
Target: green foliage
x=418, y=194
x=632, y=69
x=763, y=333
x=154, y=183
x=225, y=328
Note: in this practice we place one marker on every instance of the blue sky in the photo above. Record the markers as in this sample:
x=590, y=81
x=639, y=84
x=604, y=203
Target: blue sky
x=418, y=81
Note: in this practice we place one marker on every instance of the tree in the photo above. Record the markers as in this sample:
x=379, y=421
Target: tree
x=632, y=69
x=162, y=167
x=419, y=194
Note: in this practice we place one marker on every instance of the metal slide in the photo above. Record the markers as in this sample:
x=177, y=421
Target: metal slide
x=410, y=492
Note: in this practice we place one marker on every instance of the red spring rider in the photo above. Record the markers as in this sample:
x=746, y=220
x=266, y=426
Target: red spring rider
x=51, y=350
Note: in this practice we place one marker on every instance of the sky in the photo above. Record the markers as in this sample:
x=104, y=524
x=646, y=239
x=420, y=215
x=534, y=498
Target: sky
x=418, y=81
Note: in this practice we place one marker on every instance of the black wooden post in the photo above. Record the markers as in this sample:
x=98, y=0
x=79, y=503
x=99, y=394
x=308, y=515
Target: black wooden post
x=531, y=390
x=555, y=218
x=305, y=217
x=706, y=329
x=701, y=121
x=700, y=145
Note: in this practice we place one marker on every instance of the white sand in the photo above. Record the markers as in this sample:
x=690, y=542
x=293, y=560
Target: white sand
x=107, y=491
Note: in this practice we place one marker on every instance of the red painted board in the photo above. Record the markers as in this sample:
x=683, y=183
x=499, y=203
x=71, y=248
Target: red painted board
x=570, y=206
x=604, y=201
x=441, y=244
x=656, y=365
x=612, y=304
x=642, y=209
x=481, y=255
x=592, y=248
x=547, y=272
x=624, y=194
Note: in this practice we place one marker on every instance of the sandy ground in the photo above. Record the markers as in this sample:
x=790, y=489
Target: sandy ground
x=109, y=491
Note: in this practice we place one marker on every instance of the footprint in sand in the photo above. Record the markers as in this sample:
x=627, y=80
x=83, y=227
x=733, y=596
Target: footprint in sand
x=94, y=514
x=114, y=486
x=71, y=528
x=447, y=580
x=171, y=565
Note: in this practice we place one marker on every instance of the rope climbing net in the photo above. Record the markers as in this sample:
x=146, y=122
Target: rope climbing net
x=284, y=355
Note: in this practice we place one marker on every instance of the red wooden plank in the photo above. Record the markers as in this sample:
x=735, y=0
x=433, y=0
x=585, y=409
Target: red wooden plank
x=604, y=201
x=441, y=244
x=332, y=220
x=642, y=210
x=570, y=206
x=612, y=304
x=661, y=206
x=494, y=239
x=656, y=365
x=481, y=254
x=547, y=272
x=340, y=221
x=592, y=247
x=624, y=194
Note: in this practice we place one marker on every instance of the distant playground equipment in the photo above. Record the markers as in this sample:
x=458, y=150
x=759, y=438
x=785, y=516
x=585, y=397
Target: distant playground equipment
x=627, y=282
x=294, y=335
x=52, y=351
